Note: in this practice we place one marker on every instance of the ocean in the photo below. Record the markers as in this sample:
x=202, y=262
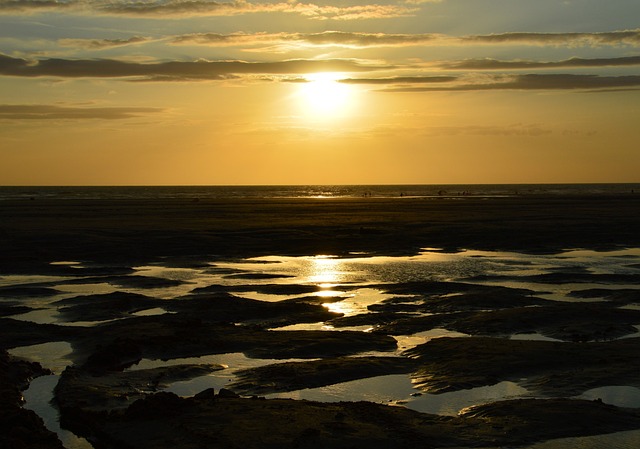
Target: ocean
x=311, y=191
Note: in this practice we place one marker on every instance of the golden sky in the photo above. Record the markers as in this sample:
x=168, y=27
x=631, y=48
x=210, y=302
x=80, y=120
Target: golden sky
x=184, y=92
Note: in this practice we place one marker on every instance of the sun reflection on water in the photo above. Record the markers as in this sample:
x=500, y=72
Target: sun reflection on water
x=347, y=286
x=325, y=270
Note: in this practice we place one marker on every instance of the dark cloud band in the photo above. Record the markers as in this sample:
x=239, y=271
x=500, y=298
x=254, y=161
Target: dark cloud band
x=53, y=112
x=533, y=82
x=203, y=70
x=191, y=8
x=493, y=64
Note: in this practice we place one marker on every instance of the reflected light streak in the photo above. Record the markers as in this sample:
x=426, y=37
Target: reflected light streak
x=328, y=294
x=325, y=271
x=345, y=307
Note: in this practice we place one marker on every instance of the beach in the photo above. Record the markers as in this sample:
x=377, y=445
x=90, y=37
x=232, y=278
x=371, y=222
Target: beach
x=535, y=291
x=42, y=231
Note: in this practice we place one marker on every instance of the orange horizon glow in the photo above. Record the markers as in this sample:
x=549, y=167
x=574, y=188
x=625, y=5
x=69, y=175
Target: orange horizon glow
x=434, y=92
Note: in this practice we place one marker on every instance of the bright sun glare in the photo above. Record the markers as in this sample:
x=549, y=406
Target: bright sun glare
x=323, y=96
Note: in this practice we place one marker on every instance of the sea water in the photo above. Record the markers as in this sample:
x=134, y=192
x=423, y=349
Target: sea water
x=311, y=191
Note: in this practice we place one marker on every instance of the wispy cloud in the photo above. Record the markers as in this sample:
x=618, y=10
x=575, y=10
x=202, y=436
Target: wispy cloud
x=211, y=8
x=360, y=39
x=494, y=64
x=99, y=44
x=421, y=2
x=54, y=112
x=173, y=70
x=626, y=37
x=516, y=129
x=287, y=41
x=33, y=6
x=191, y=8
x=327, y=38
x=532, y=82
x=225, y=70
x=401, y=80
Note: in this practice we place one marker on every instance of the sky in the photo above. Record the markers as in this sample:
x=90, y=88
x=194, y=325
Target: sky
x=201, y=92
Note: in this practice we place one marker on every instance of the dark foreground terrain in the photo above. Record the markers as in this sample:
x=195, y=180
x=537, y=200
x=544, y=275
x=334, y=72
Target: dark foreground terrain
x=115, y=408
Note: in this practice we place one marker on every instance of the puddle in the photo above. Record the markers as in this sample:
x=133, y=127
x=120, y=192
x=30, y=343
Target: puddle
x=380, y=389
x=620, y=396
x=346, y=286
x=451, y=403
x=38, y=398
x=155, y=311
x=406, y=342
x=29, y=280
x=53, y=355
x=533, y=336
x=232, y=362
x=397, y=389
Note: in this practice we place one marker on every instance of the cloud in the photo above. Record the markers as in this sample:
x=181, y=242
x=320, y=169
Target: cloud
x=355, y=39
x=534, y=82
x=368, y=40
x=173, y=70
x=31, y=6
x=401, y=80
x=190, y=8
x=516, y=129
x=212, y=8
x=614, y=38
x=420, y=2
x=357, y=12
x=53, y=112
x=220, y=40
x=327, y=38
x=494, y=64
x=99, y=44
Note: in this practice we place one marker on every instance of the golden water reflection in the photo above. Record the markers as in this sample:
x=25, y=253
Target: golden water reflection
x=325, y=270
x=357, y=302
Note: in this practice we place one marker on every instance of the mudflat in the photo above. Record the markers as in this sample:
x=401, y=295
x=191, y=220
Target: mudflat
x=101, y=400
x=39, y=231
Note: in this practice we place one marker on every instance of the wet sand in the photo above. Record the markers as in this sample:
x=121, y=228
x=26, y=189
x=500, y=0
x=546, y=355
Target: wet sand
x=114, y=236
x=36, y=232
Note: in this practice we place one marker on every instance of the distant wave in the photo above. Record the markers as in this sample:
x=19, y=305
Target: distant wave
x=312, y=191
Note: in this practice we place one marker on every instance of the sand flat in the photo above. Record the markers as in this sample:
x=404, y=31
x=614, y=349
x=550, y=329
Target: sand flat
x=42, y=231
x=105, y=239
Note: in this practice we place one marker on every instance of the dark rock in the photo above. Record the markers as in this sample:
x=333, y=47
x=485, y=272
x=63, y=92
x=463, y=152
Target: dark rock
x=158, y=405
x=82, y=389
x=225, y=393
x=205, y=395
x=543, y=367
x=105, y=306
x=164, y=421
x=292, y=376
x=114, y=357
x=24, y=333
x=13, y=309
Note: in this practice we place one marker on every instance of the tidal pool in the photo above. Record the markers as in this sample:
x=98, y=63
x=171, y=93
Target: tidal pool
x=348, y=286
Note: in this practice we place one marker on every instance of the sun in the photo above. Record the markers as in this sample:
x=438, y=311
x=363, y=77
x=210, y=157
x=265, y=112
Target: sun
x=323, y=96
